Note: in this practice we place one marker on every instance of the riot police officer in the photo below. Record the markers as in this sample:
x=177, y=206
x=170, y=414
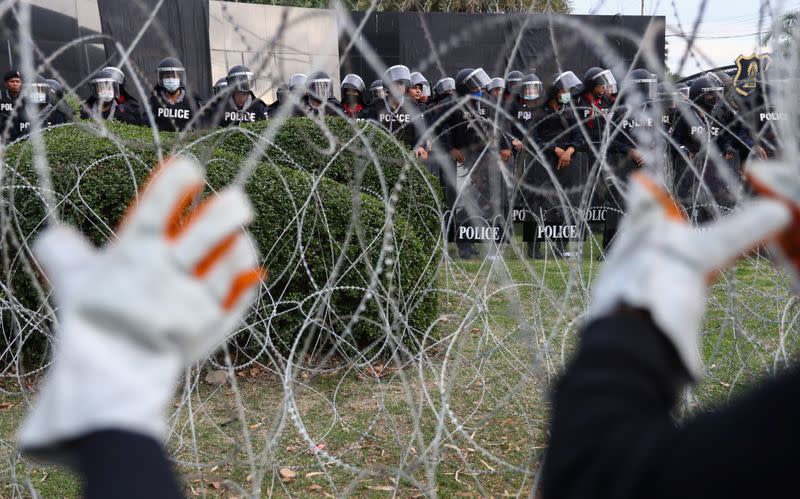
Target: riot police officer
x=529, y=90
x=319, y=99
x=57, y=100
x=242, y=105
x=496, y=88
x=220, y=86
x=36, y=94
x=9, y=99
x=417, y=88
x=281, y=94
x=555, y=178
x=400, y=116
x=353, y=89
x=477, y=147
x=126, y=103
x=173, y=108
x=443, y=90
x=103, y=102
x=376, y=92
x=637, y=126
x=513, y=79
x=124, y=98
x=695, y=134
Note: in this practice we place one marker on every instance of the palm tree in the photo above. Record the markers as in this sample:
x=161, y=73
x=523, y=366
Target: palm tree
x=787, y=32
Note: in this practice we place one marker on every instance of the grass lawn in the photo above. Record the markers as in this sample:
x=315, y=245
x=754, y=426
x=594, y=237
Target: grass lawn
x=471, y=417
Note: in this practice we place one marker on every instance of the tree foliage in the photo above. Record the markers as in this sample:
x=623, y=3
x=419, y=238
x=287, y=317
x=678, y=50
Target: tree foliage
x=464, y=6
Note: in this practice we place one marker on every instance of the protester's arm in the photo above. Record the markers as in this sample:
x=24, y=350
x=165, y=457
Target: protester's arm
x=132, y=317
x=125, y=465
x=613, y=435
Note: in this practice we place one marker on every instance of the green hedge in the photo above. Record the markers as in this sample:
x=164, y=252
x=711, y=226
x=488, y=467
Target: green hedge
x=306, y=193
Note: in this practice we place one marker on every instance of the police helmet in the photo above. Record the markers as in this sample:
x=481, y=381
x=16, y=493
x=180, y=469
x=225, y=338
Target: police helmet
x=171, y=74
x=241, y=79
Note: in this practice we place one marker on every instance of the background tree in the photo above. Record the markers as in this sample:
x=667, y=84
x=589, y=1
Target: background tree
x=469, y=6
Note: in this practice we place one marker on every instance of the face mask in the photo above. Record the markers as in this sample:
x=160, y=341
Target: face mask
x=478, y=94
x=105, y=95
x=171, y=84
x=38, y=97
x=352, y=99
x=564, y=98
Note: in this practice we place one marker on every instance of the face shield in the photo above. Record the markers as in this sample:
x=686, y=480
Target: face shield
x=530, y=90
x=297, y=82
x=567, y=81
x=220, y=87
x=397, y=73
x=319, y=89
x=37, y=92
x=477, y=80
x=354, y=82
x=444, y=85
x=606, y=79
x=376, y=93
x=103, y=89
x=647, y=88
x=171, y=78
x=243, y=81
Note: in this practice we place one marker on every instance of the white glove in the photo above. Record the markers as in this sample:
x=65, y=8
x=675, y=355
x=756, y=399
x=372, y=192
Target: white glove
x=781, y=181
x=661, y=264
x=135, y=313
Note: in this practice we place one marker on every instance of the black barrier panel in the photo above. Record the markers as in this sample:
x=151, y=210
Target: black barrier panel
x=705, y=180
x=543, y=186
x=441, y=43
x=180, y=29
x=53, y=27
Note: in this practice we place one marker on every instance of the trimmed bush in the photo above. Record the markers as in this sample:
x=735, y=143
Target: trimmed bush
x=314, y=211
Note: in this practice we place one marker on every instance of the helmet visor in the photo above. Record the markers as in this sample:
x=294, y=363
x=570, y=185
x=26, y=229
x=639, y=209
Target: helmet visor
x=477, y=80
x=397, y=73
x=297, y=81
x=319, y=89
x=241, y=82
x=567, y=81
x=377, y=93
x=647, y=88
x=445, y=85
x=606, y=79
x=530, y=90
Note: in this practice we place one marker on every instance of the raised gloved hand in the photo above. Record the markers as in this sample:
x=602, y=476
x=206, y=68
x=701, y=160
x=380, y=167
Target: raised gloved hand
x=134, y=314
x=781, y=181
x=662, y=265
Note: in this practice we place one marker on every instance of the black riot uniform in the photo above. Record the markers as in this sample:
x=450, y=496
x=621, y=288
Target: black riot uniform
x=57, y=99
x=173, y=108
x=637, y=129
x=104, y=100
x=702, y=180
x=554, y=128
x=38, y=94
x=241, y=106
x=280, y=99
x=9, y=104
x=396, y=113
x=125, y=99
x=474, y=141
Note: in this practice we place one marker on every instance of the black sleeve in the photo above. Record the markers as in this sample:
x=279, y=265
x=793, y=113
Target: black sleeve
x=125, y=465
x=612, y=434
